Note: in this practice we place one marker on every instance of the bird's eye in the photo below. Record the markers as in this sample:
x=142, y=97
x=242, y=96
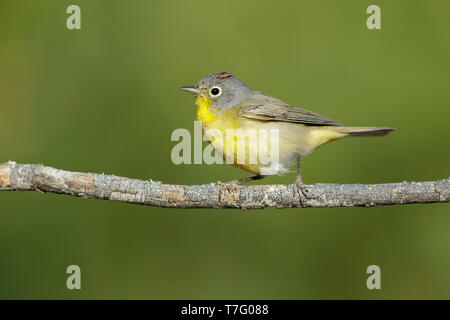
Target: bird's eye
x=215, y=91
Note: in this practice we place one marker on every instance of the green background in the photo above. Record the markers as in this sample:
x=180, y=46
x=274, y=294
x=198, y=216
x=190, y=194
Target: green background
x=105, y=99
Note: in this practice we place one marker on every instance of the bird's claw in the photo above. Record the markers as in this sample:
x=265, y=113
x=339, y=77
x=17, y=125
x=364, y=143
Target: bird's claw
x=301, y=189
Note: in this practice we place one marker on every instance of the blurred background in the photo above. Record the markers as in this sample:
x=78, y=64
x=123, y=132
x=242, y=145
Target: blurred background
x=105, y=99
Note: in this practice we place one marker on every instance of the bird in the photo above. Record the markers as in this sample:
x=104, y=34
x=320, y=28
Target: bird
x=226, y=103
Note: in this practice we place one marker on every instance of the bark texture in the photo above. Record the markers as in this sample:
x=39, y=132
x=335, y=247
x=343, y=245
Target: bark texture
x=23, y=177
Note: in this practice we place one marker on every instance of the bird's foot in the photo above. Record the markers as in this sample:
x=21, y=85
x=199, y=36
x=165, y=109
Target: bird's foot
x=301, y=189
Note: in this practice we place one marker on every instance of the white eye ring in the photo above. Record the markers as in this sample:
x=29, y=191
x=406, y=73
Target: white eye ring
x=215, y=91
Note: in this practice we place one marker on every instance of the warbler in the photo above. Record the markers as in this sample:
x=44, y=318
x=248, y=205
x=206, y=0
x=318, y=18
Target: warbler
x=224, y=102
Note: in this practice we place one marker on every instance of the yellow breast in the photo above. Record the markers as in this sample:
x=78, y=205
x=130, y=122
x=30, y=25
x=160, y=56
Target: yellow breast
x=227, y=120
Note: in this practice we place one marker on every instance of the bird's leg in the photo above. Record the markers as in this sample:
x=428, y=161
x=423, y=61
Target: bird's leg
x=299, y=186
x=257, y=177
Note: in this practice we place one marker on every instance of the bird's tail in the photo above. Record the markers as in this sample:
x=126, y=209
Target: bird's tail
x=364, y=131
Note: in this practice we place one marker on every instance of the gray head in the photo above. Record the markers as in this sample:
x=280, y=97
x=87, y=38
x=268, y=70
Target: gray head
x=223, y=88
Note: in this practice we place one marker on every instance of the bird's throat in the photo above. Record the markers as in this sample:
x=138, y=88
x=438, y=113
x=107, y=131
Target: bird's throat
x=204, y=112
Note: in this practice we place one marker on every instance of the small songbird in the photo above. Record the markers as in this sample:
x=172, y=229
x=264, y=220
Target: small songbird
x=224, y=102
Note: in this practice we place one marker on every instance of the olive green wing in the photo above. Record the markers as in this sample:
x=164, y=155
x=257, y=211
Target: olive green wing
x=263, y=107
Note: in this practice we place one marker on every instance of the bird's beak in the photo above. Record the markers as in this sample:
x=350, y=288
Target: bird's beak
x=191, y=89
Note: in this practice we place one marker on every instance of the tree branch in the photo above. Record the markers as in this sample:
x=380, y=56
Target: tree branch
x=22, y=177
